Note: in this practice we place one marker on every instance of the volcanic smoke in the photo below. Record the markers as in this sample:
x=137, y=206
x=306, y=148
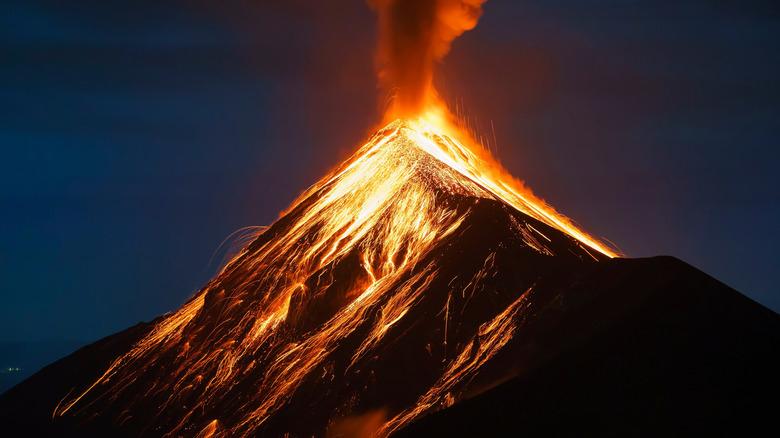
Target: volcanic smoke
x=413, y=36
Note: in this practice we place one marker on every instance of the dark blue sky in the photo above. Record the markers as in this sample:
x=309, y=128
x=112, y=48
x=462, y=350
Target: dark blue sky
x=136, y=136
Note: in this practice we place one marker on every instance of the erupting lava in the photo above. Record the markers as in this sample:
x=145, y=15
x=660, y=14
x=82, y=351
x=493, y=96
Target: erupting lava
x=413, y=36
x=374, y=265
x=316, y=295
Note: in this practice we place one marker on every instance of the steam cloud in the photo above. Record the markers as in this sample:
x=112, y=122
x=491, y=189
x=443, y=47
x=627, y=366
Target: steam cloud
x=413, y=34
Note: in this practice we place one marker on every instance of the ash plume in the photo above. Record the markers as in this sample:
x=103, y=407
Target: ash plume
x=413, y=35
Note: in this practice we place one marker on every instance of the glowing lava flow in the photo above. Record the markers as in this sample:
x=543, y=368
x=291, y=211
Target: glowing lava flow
x=315, y=297
x=489, y=175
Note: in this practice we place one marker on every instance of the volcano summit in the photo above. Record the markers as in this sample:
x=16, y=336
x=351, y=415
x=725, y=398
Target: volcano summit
x=412, y=280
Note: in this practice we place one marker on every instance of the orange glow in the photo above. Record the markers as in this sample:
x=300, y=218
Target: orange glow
x=413, y=36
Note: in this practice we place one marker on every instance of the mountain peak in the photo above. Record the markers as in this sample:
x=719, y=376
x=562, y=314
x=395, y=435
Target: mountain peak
x=477, y=174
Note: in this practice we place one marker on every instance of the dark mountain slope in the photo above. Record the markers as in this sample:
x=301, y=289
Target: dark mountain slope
x=27, y=408
x=653, y=348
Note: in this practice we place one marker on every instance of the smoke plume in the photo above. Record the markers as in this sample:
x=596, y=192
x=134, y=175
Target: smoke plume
x=413, y=35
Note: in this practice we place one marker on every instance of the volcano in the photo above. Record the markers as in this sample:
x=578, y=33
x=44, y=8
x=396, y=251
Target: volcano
x=414, y=291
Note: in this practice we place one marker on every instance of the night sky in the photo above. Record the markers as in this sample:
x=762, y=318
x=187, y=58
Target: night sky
x=136, y=136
